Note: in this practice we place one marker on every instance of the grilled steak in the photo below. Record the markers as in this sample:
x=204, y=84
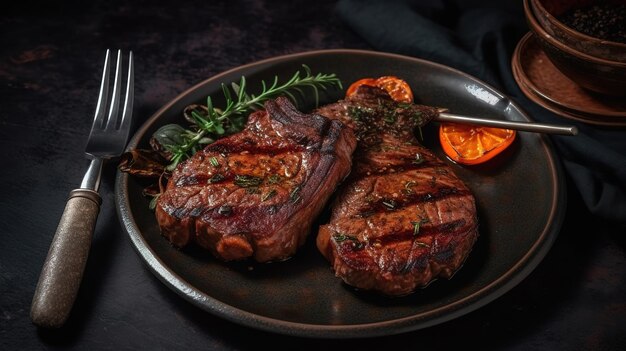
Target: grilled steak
x=257, y=192
x=402, y=218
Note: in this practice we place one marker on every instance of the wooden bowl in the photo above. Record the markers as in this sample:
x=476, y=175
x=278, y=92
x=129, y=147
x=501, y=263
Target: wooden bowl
x=547, y=13
x=591, y=72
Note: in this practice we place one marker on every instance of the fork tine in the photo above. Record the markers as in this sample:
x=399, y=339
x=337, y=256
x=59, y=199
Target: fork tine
x=128, y=100
x=103, y=96
x=115, y=102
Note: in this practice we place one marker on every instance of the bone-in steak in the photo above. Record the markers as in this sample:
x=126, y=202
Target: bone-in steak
x=257, y=192
x=402, y=218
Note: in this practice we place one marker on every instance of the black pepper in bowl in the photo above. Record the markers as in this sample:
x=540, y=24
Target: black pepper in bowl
x=603, y=21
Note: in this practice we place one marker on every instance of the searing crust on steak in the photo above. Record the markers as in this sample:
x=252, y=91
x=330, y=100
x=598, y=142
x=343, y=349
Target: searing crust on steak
x=257, y=192
x=402, y=218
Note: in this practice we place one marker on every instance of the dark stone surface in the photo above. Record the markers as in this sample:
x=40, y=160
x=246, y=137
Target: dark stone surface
x=50, y=64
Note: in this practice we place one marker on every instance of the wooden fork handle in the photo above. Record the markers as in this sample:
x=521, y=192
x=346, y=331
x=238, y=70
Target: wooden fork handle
x=63, y=269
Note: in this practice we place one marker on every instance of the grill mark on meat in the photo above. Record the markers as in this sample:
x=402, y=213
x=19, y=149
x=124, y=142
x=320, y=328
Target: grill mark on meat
x=233, y=214
x=223, y=177
x=450, y=228
x=362, y=255
x=402, y=218
x=369, y=170
x=202, y=179
x=383, y=205
x=252, y=148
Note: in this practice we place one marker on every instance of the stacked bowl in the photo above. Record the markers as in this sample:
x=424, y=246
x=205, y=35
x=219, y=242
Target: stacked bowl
x=588, y=50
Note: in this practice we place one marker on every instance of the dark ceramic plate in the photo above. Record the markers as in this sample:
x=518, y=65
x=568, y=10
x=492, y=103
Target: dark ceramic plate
x=520, y=198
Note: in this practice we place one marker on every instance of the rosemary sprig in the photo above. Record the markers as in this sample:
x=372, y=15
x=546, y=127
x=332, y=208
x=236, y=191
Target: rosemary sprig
x=210, y=122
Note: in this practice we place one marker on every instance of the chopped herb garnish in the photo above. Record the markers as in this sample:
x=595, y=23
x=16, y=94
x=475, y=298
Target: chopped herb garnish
x=294, y=196
x=225, y=210
x=339, y=237
x=354, y=112
x=417, y=225
x=418, y=159
x=273, y=179
x=419, y=243
x=253, y=190
x=216, y=178
x=390, y=116
x=214, y=161
x=356, y=243
x=390, y=204
x=358, y=112
x=407, y=187
x=246, y=181
x=269, y=195
x=153, y=201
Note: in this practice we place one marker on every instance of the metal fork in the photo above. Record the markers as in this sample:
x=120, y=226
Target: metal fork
x=64, y=266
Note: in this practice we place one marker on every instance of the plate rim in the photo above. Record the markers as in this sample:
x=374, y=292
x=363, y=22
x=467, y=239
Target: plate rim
x=495, y=289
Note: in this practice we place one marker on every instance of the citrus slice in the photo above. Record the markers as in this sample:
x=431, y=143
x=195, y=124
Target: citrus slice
x=354, y=86
x=471, y=145
x=397, y=88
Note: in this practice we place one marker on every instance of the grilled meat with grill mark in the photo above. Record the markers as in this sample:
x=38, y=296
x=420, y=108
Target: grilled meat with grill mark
x=402, y=218
x=257, y=192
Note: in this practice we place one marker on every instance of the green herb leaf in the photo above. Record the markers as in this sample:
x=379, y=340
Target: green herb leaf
x=389, y=204
x=153, y=201
x=356, y=243
x=418, y=159
x=294, y=196
x=247, y=181
x=273, y=179
x=269, y=195
x=417, y=225
x=216, y=178
x=253, y=190
x=225, y=210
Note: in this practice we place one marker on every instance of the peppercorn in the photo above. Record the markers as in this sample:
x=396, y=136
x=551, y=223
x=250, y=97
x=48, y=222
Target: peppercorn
x=603, y=21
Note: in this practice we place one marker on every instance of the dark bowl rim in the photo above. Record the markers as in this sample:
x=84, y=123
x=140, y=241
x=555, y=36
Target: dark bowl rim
x=539, y=31
x=535, y=94
x=572, y=31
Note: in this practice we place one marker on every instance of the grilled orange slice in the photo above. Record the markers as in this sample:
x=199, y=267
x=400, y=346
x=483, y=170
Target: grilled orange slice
x=471, y=145
x=397, y=88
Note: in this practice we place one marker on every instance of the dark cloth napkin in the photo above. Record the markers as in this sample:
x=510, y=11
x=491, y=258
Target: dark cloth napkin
x=479, y=37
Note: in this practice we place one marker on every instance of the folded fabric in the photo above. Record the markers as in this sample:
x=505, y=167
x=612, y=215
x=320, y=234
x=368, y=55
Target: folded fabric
x=479, y=38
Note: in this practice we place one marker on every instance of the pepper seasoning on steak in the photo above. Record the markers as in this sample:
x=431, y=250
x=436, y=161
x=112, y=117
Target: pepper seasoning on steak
x=402, y=218
x=257, y=192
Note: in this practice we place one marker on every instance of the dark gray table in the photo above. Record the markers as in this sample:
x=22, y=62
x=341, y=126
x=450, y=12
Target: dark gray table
x=50, y=65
